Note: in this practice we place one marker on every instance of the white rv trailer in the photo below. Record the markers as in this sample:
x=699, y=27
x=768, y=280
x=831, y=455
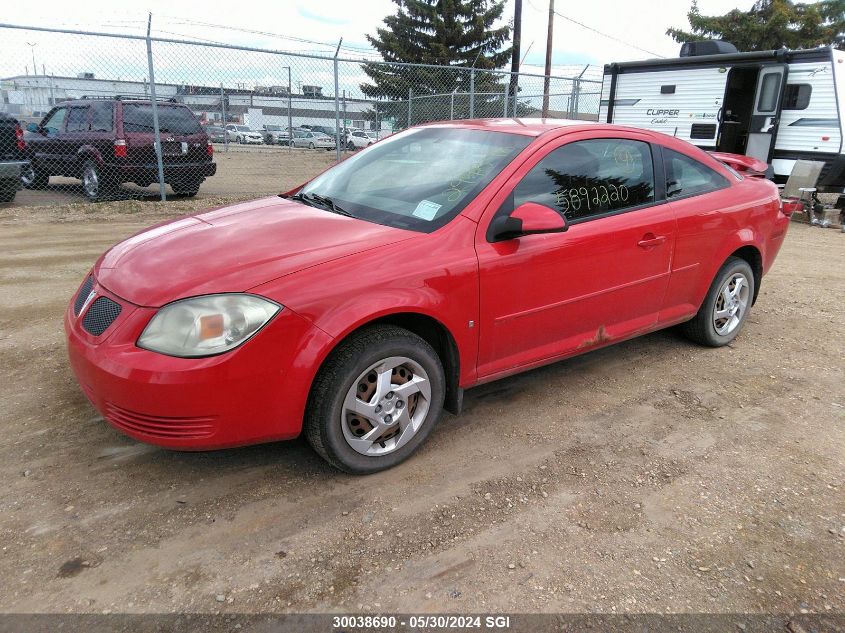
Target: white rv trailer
x=778, y=106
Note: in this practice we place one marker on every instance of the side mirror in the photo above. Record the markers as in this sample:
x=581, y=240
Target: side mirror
x=528, y=218
x=32, y=127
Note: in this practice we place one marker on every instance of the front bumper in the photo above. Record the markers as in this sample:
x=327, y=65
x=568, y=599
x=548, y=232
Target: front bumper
x=255, y=393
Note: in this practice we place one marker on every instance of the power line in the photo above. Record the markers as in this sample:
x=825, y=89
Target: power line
x=590, y=28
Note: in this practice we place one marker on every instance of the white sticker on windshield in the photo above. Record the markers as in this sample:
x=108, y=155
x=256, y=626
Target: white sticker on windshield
x=426, y=210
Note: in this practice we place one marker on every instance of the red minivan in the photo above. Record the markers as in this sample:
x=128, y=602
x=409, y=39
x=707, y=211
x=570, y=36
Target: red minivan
x=106, y=142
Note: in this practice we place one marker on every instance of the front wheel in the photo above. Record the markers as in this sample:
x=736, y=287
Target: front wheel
x=375, y=400
x=726, y=306
x=310, y=145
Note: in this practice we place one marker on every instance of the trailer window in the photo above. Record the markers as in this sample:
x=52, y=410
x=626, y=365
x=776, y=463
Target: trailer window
x=797, y=96
x=769, y=93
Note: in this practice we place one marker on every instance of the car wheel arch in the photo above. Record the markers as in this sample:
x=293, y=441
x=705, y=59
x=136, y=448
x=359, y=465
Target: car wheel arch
x=87, y=152
x=752, y=255
x=430, y=329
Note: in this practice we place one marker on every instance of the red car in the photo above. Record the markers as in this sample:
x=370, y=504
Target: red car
x=361, y=304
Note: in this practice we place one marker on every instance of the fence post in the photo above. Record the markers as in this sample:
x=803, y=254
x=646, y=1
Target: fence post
x=472, y=93
x=290, y=118
x=576, y=107
x=223, y=114
x=506, y=101
x=410, y=99
x=156, y=131
x=515, y=92
x=452, y=105
x=336, y=104
x=344, y=122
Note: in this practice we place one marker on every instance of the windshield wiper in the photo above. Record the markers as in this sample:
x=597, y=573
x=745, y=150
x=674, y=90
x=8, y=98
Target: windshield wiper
x=323, y=201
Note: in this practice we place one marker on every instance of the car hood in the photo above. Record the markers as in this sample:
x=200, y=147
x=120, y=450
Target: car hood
x=233, y=249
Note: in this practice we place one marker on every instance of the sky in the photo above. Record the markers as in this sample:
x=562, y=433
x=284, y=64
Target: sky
x=633, y=29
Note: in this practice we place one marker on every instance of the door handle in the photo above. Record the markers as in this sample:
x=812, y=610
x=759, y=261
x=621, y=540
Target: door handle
x=650, y=240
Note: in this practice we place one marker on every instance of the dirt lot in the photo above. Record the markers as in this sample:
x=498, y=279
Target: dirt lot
x=242, y=171
x=649, y=476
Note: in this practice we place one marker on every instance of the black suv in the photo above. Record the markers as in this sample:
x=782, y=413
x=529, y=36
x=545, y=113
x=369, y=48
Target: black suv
x=12, y=155
x=106, y=142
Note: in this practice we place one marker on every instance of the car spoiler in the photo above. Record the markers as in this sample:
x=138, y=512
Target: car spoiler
x=746, y=165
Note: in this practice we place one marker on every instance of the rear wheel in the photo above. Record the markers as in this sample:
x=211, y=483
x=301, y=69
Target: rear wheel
x=726, y=306
x=95, y=184
x=350, y=146
x=187, y=189
x=375, y=400
x=310, y=145
x=8, y=190
x=33, y=177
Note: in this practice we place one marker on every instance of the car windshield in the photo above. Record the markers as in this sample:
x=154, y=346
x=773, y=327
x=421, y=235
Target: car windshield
x=273, y=128
x=242, y=128
x=172, y=119
x=419, y=179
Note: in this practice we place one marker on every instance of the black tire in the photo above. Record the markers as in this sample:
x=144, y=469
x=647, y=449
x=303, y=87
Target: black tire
x=33, y=177
x=702, y=329
x=186, y=190
x=8, y=190
x=350, y=146
x=310, y=145
x=322, y=423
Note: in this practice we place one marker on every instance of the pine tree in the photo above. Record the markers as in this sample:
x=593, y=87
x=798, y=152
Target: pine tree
x=445, y=33
x=771, y=24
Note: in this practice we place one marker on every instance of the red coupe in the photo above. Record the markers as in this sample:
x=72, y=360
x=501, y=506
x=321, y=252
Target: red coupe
x=360, y=305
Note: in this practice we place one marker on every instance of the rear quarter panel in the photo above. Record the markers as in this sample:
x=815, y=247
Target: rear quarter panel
x=711, y=228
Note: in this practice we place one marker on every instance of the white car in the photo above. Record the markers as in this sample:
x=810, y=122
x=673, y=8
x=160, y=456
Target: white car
x=275, y=135
x=356, y=139
x=243, y=134
x=312, y=140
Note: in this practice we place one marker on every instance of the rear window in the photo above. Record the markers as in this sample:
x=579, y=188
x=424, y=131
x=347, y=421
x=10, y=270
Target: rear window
x=138, y=117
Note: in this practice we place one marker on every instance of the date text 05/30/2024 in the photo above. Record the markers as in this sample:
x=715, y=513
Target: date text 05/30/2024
x=352, y=622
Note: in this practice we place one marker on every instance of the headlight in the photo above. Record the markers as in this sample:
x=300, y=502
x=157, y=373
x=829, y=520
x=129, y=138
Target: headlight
x=205, y=326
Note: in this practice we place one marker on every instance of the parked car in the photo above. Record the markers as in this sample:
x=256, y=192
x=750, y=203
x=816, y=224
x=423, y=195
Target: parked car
x=509, y=245
x=215, y=134
x=312, y=140
x=244, y=135
x=356, y=139
x=276, y=135
x=106, y=142
x=12, y=157
x=322, y=129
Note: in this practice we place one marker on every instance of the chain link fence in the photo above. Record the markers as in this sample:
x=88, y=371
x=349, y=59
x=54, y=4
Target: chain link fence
x=109, y=116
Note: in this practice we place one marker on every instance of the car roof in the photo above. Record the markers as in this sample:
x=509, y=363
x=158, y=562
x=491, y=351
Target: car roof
x=528, y=127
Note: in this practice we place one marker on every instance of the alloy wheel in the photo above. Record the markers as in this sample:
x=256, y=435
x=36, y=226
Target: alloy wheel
x=731, y=304
x=386, y=406
x=90, y=181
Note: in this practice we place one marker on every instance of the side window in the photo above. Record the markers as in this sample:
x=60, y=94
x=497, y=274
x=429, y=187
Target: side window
x=590, y=178
x=685, y=176
x=102, y=117
x=797, y=96
x=55, y=122
x=77, y=120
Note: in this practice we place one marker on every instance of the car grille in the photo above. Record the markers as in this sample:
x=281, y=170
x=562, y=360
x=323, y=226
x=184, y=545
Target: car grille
x=159, y=426
x=100, y=316
x=84, y=291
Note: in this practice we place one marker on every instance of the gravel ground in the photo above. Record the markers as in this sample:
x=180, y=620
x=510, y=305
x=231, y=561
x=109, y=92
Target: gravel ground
x=650, y=476
x=242, y=172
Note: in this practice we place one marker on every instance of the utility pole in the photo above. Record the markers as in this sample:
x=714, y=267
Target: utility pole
x=517, y=40
x=548, y=59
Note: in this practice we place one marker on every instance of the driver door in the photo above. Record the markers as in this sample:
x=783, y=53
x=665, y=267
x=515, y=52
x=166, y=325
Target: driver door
x=766, y=114
x=551, y=295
